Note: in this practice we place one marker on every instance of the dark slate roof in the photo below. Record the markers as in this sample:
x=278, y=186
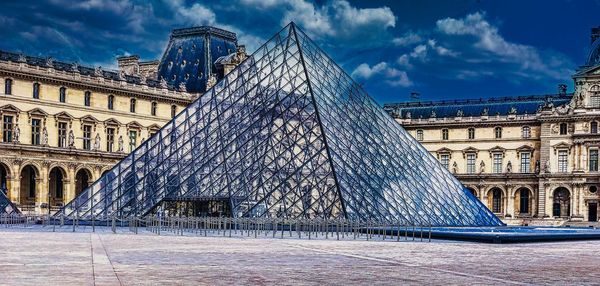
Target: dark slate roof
x=190, y=56
x=477, y=107
x=74, y=67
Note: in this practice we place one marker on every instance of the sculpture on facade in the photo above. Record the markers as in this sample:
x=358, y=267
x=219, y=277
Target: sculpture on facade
x=97, y=142
x=211, y=81
x=98, y=71
x=509, y=167
x=460, y=113
x=482, y=167
x=120, y=143
x=44, y=136
x=433, y=114
x=17, y=134
x=485, y=112
x=71, y=139
x=454, y=168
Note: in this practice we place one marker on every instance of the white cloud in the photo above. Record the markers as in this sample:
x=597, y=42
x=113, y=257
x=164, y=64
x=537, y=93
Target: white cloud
x=528, y=59
x=390, y=75
x=407, y=39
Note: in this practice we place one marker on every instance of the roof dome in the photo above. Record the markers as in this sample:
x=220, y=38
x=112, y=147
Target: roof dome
x=594, y=55
x=189, y=58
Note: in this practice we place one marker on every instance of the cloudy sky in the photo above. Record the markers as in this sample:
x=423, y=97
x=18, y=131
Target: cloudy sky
x=441, y=49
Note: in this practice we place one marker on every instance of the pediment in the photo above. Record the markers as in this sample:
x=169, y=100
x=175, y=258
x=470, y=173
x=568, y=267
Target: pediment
x=89, y=118
x=154, y=127
x=63, y=116
x=525, y=148
x=112, y=121
x=134, y=125
x=9, y=108
x=37, y=112
x=497, y=149
x=561, y=145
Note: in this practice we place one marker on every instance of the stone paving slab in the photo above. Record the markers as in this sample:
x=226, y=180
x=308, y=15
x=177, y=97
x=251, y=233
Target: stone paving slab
x=65, y=258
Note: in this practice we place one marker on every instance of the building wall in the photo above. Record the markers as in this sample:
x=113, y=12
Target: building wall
x=545, y=203
x=19, y=157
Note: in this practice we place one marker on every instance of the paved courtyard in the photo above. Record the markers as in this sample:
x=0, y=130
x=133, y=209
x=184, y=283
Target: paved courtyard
x=30, y=257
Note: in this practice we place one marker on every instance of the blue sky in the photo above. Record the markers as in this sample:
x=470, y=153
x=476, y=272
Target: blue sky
x=441, y=49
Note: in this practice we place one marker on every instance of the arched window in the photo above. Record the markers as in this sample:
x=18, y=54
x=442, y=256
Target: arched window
x=62, y=94
x=524, y=201
x=445, y=134
x=496, y=201
x=36, y=90
x=594, y=127
x=563, y=129
x=87, y=98
x=111, y=101
x=471, y=133
x=526, y=132
x=153, y=108
x=420, y=135
x=173, y=110
x=132, y=105
x=498, y=132
x=8, y=86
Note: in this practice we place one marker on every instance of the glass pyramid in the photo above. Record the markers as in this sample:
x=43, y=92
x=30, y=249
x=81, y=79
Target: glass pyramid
x=286, y=134
x=6, y=206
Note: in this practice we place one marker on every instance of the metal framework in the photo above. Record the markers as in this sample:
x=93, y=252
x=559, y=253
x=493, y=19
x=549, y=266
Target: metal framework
x=286, y=134
x=6, y=206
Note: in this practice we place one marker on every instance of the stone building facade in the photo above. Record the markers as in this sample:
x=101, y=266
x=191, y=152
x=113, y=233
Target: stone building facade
x=531, y=159
x=63, y=125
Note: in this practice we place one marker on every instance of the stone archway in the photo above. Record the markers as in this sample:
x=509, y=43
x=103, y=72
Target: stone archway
x=496, y=200
x=28, y=186
x=472, y=191
x=56, y=186
x=524, y=201
x=561, y=202
x=83, y=179
x=4, y=176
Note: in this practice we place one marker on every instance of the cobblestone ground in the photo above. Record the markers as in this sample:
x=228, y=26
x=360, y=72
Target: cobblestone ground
x=30, y=257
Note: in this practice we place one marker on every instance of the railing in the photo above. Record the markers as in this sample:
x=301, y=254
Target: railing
x=336, y=229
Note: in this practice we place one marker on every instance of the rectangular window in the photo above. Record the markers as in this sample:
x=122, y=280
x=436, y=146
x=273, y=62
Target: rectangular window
x=62, y=134
x=445, y=160
x=471, y=163
x=497, y=163
x=87, y=137
x=563, y=160
x=594, y=101
x=7, y=128
x=594, y=160
x=525, y=162
x=132, y=140
x=35, y=131
x=110, y=139
x=444, y=134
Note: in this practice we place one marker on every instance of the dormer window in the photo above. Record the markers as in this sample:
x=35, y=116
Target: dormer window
x=471, y=133
x=526, y=132
x=36, y=90
x=62, y=94
x=445, y=134
x=420, y=135
x=8, y=86
x=594, y=127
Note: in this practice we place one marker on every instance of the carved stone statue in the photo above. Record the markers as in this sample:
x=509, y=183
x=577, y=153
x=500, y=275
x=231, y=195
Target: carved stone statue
x=460, y=113
x=143, y=79
x=509, y=167
x=17, y=134
x=537, y=167
x=408, y=115
x=44, y=136
x=454, y=168
x=547, y=166
x=211, y=81
x=97, y=142
x=482, y=167
x=163, y=82
x=433, y=114
x=98, y=71
x=120, y=144
x=579, y=102
x=22, y=58
x=485, y=112
x=49, y=62
x=513, y=110
x=182, y=87
x=554, y=128
x=75, y=67
x=71, y=139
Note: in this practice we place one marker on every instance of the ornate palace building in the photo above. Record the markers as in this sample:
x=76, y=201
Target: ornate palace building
x=64, y=125
x=530, y=159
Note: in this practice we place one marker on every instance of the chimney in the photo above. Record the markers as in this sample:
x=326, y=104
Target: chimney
x=595, y=34
x=129, y=64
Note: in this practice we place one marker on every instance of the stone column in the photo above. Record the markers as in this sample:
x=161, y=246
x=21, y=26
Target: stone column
x=541, y=194
x=70, y=186
x=510, y=204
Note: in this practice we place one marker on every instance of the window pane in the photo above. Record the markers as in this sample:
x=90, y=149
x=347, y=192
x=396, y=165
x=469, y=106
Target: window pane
x=471, y=163
x=497, y=163
x=594, y=160
x=525, y=162
x=562, y=161
x=87, y=137
x=7, y=129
